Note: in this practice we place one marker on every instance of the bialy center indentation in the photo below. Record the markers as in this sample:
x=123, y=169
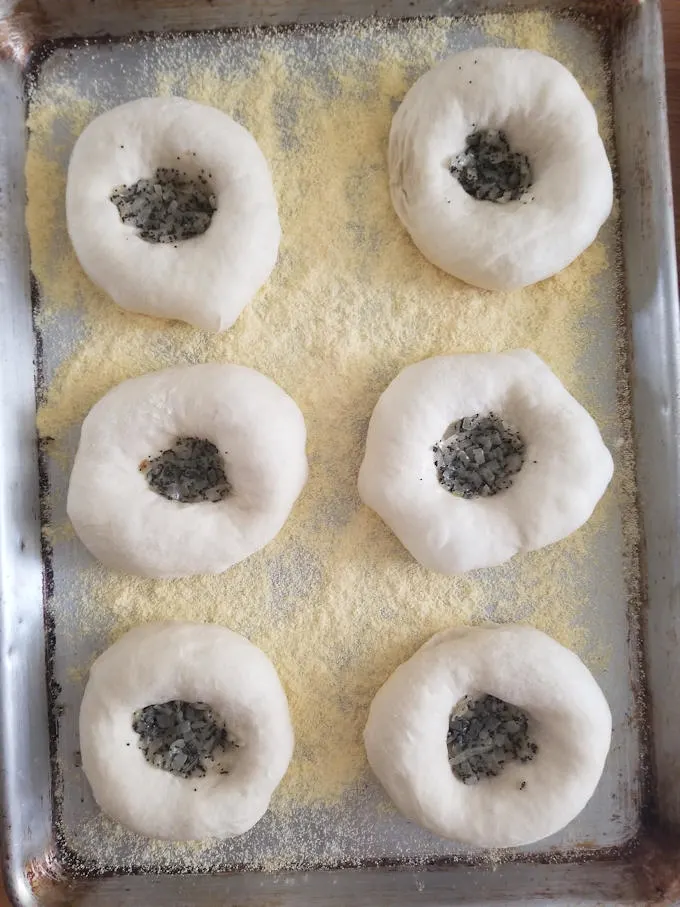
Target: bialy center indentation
x=489, y=170
x=191, y=471
x=485, y=734
x=168, y=207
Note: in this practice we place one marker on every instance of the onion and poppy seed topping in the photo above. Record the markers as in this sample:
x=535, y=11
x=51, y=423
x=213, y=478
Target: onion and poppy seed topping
x=168, y=207
x=189, y=472
x=479, y=456
x=484, y=735
x=489, y=170
x=180, y=737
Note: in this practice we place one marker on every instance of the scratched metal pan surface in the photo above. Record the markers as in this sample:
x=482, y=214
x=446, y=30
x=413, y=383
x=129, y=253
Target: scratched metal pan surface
x=622, y=849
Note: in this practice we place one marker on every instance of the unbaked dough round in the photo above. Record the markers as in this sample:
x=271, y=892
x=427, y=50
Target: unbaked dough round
x=207, y=279
x=257, y=434
x=566, y=466
x=158, y=663
x=541, y=111
x=569, y=719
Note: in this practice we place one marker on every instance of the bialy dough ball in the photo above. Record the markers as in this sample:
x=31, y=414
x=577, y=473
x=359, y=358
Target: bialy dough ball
x=184, y=731
x=497, y=169
x=494, y=737
x=171, y=211
x=188, y=470
x=473, y=458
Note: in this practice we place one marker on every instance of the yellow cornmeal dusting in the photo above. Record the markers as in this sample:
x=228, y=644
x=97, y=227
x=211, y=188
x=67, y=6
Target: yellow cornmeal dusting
x=335, y=601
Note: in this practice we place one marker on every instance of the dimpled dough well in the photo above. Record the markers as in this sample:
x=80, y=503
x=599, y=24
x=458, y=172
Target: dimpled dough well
x=207, y=279
x=406, y=735
x=542, y=111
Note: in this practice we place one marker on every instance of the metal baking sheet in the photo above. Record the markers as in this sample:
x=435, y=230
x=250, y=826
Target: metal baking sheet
x=50, y=854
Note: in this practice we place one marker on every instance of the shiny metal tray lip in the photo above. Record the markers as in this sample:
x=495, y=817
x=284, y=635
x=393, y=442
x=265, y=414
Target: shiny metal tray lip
x=37, y=870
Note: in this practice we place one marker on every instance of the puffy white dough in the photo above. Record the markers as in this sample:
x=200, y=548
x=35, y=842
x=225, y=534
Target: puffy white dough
x=544, y=113
x=567, y=466
x=205, y=280
x=259, y=432
x=157, y=663
x=570, y=722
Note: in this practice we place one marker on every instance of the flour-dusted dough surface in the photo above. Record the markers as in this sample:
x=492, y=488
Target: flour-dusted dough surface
x=156, y=663
x=545, y=115
x=405, y=735
x=567, y=466
x=206, y=280
x=257, y=428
